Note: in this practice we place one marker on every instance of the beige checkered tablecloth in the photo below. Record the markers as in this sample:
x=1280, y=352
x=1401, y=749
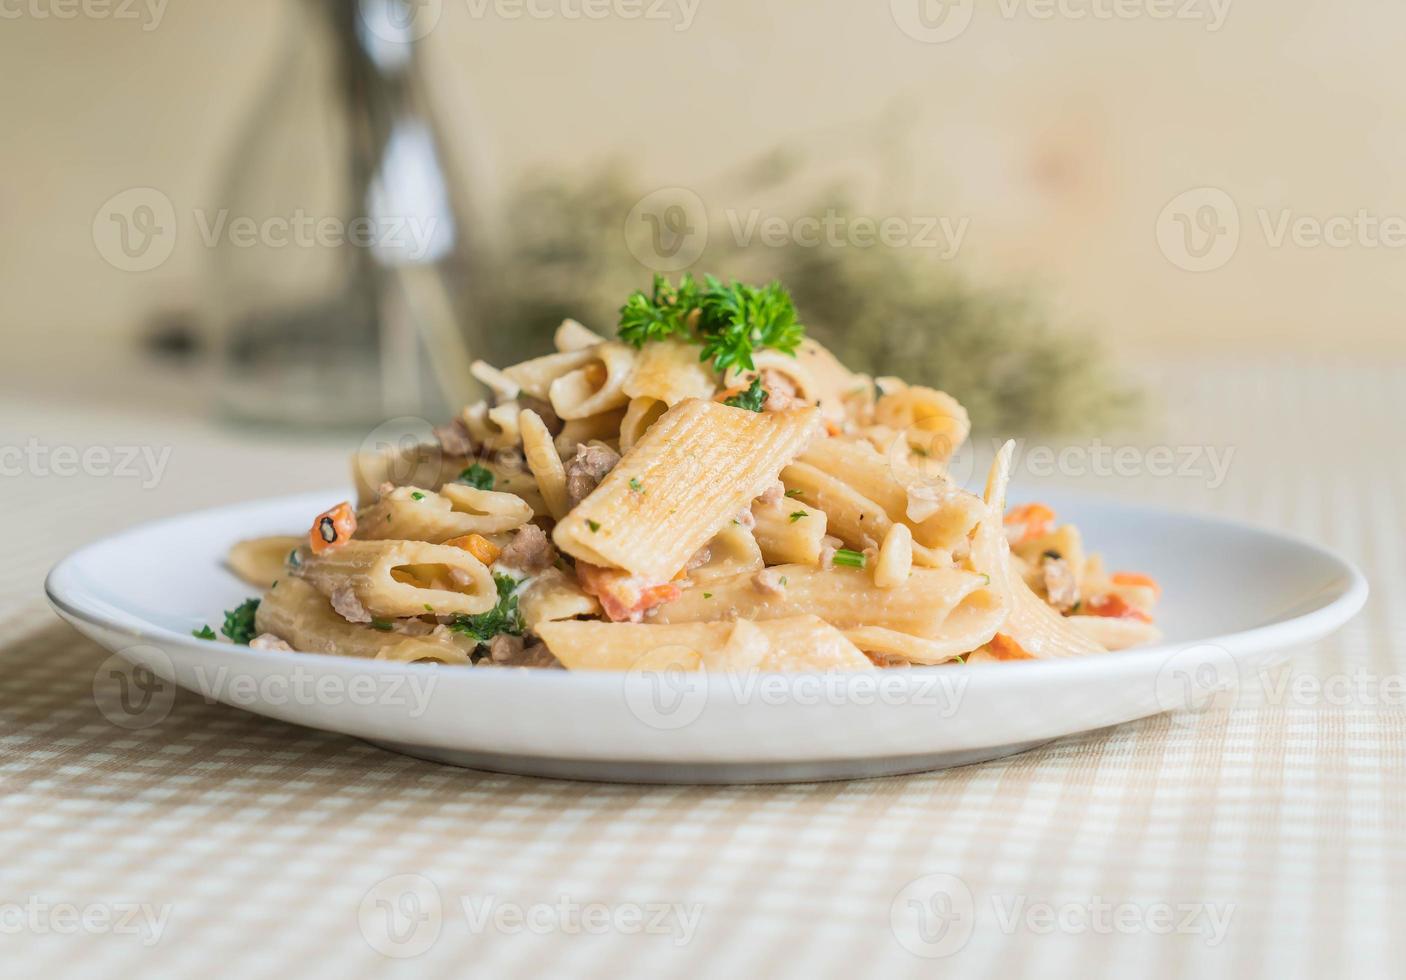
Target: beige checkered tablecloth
x=1267, y=840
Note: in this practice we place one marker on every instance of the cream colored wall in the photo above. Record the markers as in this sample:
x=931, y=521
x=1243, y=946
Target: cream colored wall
x=1061, y=140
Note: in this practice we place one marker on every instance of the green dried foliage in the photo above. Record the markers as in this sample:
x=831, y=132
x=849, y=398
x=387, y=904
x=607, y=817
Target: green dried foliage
x=883, y=311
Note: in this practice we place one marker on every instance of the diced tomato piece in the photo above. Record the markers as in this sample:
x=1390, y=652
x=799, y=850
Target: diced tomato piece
x=1002, y=647
x=1037, y=519
x=1136, y=579
x=1114, y=607
x=622, y=596
x=332, y=528
x=478, y=546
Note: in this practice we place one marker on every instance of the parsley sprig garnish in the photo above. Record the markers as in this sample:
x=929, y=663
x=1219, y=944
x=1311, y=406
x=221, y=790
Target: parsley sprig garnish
x=502, y=618
x=239, y=624
x=752, y=399
x=478, y=476
x=730, y=320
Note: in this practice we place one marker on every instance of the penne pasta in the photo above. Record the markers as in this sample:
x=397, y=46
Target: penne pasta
x=545, y=464
x=787, y=644
x=789, y=531
x=697, y=468
x=262, y=561
x=410, y=514
x=401, y=578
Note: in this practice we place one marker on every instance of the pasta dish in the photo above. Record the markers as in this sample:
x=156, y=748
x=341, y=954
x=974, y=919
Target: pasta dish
x=710, y=490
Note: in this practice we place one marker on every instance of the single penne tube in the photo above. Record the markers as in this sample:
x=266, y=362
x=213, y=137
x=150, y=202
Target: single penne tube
x=572, y=336
x=816, y=375
x=789, y=531
x=456, y=509
x=504, y=388
x=795, y=643
x=596, y=386
x=262, y=561
x=973, y=623
x=301, y=616
x=535, y=377
x=844, y=597
x=401, y=578
x=1031, y=625
x=603, y=426
x=1115, y=634
x=639, y=416
x=932, y=422
x=695, y=470
x=732, y=551
x=850, y=516
x=669, y=371
x=553, y=596
x=895, y=561
x=421, y=465
x=545, y=464
x=871, y=474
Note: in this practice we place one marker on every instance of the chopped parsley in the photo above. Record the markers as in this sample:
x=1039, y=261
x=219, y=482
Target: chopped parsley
x=593, y=525
x=796, y=515
x=794, y=493
x=239, y=622
x=1052, y=555
x=384, y=625
x=752, y=399
x=417, y=495
x=429, y=608
x=204, y=633
x=850, y=558
x=707, y=595
x=730, y=320
x=636, y=485
x=477, y=476
x=294, y=560
x=783, y=581
x=502, y=618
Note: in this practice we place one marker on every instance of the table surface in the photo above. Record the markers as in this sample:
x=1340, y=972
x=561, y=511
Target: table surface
x=1266, y=839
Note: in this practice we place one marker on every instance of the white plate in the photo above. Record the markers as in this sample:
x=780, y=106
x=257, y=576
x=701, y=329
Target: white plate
x=1234, y=598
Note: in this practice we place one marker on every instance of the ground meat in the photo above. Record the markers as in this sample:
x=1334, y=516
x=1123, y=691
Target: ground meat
x=769, y=582
x=780, y=391
x=700, y=557
x=773, y=493
x=587, y=468
x=544, y=409
x=1061, y=589
x=348, y=606
x=504, y=647
x=530, y=550
x=745, y=518
x=267, y=641
x=828, y=546
x=454, y=438
x=511, y=651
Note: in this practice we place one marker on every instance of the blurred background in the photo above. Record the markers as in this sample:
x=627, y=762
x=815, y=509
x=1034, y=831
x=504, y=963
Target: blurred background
x=323, y=208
